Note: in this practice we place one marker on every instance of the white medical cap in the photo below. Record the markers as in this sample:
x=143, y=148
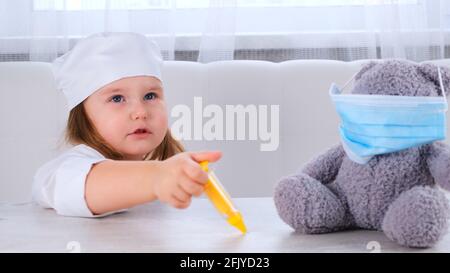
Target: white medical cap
x=102, y=58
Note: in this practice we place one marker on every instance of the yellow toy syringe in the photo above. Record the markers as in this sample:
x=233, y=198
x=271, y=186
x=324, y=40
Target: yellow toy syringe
x=221, y=200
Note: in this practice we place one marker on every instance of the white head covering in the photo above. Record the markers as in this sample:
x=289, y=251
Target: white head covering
x=103, y=58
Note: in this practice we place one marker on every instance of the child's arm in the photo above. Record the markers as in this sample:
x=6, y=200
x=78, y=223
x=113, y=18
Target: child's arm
x=114, y=185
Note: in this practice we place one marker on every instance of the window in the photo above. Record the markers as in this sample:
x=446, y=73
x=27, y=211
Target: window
x=195, y=4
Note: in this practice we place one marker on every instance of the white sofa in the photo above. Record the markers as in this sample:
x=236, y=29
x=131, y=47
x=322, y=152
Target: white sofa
x=33, y=117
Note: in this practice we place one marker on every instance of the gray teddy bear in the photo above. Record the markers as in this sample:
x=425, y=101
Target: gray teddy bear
x=397, y=193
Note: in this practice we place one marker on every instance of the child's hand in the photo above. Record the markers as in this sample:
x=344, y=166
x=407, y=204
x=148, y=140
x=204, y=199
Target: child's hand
x=181, y=177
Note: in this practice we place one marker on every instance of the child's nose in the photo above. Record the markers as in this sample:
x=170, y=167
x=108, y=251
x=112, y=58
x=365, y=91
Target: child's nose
x=139, y=112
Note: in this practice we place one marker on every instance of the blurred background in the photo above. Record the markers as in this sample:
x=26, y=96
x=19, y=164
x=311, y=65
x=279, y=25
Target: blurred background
x=214, y=30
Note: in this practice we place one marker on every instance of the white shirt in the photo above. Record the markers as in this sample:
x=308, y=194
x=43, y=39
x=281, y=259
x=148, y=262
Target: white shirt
x=60, y=183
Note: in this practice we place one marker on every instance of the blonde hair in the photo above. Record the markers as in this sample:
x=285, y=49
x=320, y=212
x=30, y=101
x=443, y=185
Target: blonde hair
x=80, y=130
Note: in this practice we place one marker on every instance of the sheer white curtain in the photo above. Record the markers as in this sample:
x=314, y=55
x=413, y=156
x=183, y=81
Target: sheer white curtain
x=212, y=30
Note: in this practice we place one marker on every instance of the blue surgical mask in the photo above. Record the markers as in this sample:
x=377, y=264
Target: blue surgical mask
x=380, y=124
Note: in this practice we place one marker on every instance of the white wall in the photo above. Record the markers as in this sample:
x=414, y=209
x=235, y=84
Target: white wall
x=32, y=117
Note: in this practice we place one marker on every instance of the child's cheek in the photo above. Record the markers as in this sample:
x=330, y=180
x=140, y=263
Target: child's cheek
x=112, y=127
x=160, y=114
x=160, y=122
x=163, y=121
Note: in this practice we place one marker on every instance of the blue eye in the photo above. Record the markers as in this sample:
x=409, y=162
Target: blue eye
x=151, y=96
x=117, y=98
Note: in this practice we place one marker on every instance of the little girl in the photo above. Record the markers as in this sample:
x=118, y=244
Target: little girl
x=123, y=154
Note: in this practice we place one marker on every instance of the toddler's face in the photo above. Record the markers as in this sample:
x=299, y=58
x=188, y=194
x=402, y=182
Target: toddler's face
x=119, y=109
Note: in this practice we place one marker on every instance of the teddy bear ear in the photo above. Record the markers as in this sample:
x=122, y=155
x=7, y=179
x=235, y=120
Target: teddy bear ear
x=430, y=71
x=364, y=69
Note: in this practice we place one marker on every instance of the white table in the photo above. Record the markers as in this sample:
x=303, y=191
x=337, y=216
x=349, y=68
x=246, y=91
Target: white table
x=158, y=228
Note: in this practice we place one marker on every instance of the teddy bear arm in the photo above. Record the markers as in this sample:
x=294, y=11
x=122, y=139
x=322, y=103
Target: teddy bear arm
x=325, y=167
x=439, y=164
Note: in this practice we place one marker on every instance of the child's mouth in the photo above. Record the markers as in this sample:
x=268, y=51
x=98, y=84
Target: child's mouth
x=141, y=132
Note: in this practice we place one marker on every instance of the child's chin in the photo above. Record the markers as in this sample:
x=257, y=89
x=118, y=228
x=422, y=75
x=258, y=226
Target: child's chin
x=137, y=151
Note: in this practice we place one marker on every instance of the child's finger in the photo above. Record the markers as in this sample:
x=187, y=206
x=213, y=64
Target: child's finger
x=195, y=172
x=181, y=194
x=211, y=156
x=176, y=203
x=192, y=188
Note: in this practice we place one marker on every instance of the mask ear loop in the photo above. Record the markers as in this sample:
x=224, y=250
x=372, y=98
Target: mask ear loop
x=441, y=83
x=348, y=82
